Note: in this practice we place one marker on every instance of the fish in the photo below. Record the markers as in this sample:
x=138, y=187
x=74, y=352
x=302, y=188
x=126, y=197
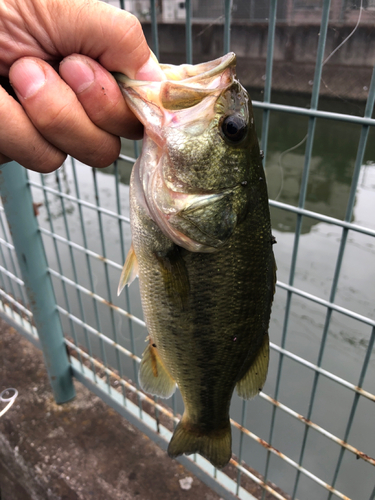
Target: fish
x=201, y=247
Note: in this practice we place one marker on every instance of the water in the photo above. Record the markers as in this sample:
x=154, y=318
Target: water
x=334, y=154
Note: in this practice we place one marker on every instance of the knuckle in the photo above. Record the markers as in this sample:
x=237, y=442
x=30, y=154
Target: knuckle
x=103, y=113
x=129, y=20
x=133, y=36
x=4, y=159
x=45, y=159
x=135, y=28
x=49, y=167
x=106, y=153
x=56, y=119
x=20, y=139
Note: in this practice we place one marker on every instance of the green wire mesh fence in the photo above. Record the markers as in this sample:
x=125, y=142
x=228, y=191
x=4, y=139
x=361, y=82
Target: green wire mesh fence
x=309, y=434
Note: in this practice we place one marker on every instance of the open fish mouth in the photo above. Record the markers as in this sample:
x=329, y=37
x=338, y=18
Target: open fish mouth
x=172, y=91
x=168, y=103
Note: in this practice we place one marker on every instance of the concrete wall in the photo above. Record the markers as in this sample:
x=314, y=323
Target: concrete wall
x=292, y=43
x=292, y=12
x=348, y=71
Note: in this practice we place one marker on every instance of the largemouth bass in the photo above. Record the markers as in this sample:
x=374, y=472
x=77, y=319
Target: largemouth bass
x=202, y=248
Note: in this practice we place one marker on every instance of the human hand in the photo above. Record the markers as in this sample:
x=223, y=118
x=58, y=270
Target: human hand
x=80, y=110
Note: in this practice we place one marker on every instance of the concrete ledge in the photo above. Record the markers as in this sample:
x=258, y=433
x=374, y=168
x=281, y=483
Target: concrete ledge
x=78, y=451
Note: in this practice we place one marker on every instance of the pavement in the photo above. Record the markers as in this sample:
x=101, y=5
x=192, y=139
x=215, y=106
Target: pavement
x=81, y=450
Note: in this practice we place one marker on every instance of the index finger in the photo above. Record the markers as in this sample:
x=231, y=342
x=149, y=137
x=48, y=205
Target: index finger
x=110, y=35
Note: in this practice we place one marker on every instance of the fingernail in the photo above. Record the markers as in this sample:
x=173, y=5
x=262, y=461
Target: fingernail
x=77, y=74
x=27, y=77
x=150, y=71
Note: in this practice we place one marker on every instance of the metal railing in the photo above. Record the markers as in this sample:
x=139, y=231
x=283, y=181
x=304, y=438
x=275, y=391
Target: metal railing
x=68, y=258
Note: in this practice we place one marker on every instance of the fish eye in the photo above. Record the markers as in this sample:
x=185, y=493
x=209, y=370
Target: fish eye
x=234, y=128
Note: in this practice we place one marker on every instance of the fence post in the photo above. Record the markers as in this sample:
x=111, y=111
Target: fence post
x=18, y=206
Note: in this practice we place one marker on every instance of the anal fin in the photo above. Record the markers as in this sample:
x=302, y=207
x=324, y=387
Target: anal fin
x=252, y=382
x=153, y=376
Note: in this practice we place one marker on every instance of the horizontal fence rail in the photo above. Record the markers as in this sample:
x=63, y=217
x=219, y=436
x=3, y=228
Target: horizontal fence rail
x=309, y=435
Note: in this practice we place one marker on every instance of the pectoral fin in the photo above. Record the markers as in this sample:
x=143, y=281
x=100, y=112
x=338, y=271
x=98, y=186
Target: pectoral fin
x=252, y=382
x=129, y=271
x=153, y=376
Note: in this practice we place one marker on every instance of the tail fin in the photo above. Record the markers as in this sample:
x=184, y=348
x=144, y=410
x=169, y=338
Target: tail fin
x=216, y=446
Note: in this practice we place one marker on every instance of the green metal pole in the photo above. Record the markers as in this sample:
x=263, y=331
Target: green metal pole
x=227, y=24
x=18, y=206
x=189, y=35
